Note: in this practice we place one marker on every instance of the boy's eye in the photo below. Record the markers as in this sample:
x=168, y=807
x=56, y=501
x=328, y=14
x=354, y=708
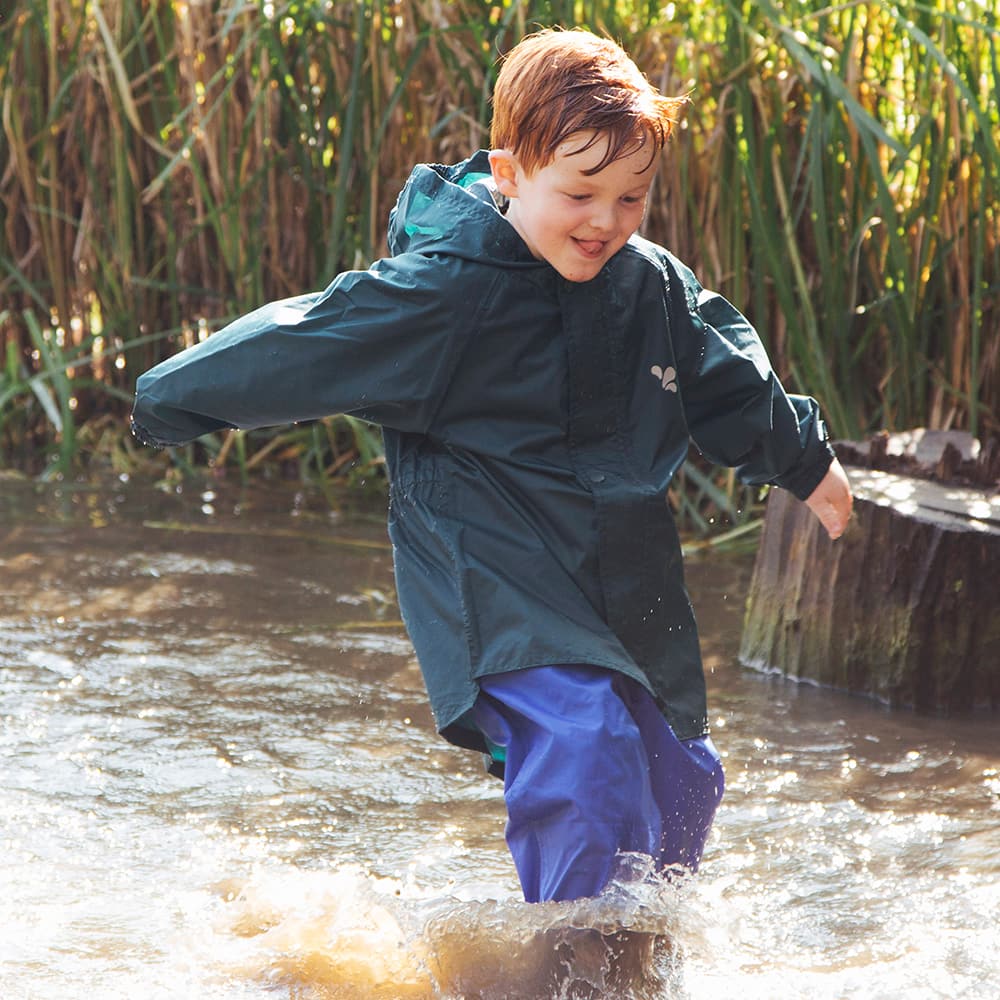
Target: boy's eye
x=626, y=199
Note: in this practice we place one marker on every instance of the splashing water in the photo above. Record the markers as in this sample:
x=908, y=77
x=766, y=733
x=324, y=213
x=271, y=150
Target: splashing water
x=349, y=934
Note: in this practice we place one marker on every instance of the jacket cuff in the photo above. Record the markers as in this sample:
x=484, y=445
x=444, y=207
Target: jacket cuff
x=144, y=437
x=803, y=480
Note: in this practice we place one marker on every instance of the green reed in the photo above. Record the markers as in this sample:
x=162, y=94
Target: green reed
x=166, y=166
x=857, y=148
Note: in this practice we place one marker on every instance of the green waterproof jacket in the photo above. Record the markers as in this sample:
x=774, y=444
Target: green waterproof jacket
x=531, y=428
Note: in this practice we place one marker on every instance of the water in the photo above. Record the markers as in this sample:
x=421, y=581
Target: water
x=220, y=781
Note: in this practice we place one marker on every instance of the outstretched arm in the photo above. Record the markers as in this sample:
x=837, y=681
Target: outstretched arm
x=831, y=501
x=375, y=343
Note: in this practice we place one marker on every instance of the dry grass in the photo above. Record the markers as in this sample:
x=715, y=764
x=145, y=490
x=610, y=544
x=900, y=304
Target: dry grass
x=167, y=165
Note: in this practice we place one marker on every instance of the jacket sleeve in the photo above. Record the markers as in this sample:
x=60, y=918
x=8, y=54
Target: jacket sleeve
x=374, y=344
x=737, y=410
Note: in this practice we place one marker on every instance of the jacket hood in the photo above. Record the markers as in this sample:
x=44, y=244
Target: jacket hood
x=455, y=210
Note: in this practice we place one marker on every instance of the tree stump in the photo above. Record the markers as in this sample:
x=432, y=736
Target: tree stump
x=905, y=607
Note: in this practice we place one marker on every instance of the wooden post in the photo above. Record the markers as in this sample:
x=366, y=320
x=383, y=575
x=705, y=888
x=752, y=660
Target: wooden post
x=905, y=607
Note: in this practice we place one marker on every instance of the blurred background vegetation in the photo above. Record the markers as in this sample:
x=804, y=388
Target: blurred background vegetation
x=166, y=165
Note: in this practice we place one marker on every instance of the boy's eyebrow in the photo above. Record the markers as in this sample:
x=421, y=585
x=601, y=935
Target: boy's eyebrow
x=589, y=181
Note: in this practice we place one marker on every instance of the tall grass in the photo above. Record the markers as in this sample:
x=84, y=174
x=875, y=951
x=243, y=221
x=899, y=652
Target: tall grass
x=840, y=177
x=167, y=165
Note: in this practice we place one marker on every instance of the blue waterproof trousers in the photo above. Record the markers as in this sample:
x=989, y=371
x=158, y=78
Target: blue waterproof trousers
x=593, y=769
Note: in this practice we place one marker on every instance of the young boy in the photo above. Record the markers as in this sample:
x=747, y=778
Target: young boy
x=539, y=372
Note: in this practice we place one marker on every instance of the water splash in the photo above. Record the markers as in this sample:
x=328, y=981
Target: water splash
x=349, y=935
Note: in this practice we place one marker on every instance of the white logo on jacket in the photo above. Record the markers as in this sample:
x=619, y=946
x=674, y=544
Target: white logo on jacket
x=666, y=376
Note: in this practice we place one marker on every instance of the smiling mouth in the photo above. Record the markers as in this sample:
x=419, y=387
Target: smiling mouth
x=590, y=248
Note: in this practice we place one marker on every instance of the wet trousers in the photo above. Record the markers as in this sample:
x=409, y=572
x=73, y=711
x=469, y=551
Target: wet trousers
x=593, y=769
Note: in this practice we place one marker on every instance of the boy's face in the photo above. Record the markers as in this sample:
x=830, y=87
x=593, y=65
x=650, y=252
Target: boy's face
x=573, y=221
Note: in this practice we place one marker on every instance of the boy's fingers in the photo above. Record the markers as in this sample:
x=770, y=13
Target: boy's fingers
x=831, y=501
x=834, y=523
x=831, y=514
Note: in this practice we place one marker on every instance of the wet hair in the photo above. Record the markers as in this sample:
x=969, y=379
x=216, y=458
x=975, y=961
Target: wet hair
x=555, y=83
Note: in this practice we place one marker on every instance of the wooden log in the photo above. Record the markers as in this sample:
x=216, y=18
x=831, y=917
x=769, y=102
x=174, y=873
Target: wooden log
x=905, y=607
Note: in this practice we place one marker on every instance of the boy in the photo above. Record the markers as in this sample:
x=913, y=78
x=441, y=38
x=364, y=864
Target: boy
x=539, y=372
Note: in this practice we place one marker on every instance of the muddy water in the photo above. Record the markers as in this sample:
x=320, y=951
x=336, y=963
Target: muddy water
x=220, y=781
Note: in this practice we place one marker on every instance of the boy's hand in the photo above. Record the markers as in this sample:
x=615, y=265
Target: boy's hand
x=831, y=501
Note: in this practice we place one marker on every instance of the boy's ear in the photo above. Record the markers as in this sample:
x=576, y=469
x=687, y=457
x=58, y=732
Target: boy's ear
x=505, y=170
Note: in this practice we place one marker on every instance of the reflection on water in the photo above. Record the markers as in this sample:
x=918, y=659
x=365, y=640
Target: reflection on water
x=220, y=780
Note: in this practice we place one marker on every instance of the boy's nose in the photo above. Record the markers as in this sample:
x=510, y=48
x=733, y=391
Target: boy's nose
x=603, y=218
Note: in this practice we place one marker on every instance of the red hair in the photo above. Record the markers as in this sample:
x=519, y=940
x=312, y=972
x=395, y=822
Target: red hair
x=555, y=83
